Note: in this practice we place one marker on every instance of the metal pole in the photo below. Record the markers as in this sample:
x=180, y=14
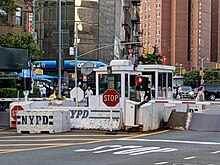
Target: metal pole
x=180, y=69
x=76, y=56
x=202, y=70
x=59, y=50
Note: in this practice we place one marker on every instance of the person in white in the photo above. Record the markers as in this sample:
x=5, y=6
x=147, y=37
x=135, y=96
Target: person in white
x=88, y=92
x=44, y=91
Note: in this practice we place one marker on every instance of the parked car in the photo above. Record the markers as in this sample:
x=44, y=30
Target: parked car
x=187, y=92
x=212, y=91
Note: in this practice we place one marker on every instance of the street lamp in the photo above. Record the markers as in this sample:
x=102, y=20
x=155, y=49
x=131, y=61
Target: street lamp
x=181, y=69
x=201, y=72
x=76, y=58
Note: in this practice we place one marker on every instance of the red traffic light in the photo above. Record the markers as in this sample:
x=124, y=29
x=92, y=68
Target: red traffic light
x=139, y=80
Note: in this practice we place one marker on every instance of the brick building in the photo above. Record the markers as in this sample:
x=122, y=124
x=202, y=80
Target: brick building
x=15, y=23
x=186, y=31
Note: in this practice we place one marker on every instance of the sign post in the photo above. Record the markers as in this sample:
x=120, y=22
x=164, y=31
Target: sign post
x=111, y=98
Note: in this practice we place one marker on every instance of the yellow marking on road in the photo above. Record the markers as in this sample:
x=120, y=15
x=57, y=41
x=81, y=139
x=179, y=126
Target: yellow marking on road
x=52, y=135
x=23, y=144
x=148, y=134
x=74, y=144
x=44, y=140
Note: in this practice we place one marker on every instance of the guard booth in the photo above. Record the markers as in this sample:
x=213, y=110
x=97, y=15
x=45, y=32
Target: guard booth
x=120, y=75
x=161, y=77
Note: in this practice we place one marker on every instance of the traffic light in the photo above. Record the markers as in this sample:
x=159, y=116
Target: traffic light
x=145, y=83
x=24, y=84
x=145, y=50
x=28, y=84
x=139, y=83
x=20, y=84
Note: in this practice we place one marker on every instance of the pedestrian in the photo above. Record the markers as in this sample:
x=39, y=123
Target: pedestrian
x=200, y=96
x=44, y=91
x=88, y=93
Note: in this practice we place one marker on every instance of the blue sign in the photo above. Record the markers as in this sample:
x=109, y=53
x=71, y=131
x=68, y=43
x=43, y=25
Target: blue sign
x=68, y=64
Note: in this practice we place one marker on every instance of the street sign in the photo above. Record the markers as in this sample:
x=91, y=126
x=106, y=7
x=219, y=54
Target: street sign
x=77, y=91
x=111, y=97
x=131, y=51
x=87, y=67
x=14, y=111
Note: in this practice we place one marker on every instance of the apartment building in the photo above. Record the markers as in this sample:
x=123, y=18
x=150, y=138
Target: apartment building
x=14, y=23
x=186, y=31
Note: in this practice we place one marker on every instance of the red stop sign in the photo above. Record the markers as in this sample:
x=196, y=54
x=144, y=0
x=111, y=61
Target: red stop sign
x=14, y=111
x=111, y=97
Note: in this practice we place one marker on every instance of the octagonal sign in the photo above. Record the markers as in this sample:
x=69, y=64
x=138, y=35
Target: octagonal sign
x=111, y=97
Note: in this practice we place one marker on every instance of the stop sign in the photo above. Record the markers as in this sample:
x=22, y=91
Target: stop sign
x=111, y=97
x=14, y=111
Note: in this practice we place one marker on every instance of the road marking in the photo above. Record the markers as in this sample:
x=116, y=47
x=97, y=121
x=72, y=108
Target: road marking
x=188, y=158
x=64, y=144
x=216, y=152
x=134, y=150
x=129, y=150
x=161, y=163
x=171, y=141
x=63, y=135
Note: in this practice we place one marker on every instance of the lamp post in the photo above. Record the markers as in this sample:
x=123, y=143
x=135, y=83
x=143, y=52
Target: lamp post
x=181, y=69
x=59, y=52
x=201, y=72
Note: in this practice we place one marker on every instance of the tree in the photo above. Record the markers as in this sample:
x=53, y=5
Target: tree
x=154, y=58
x=8, y=6
x=22, y=40
x=193, y=78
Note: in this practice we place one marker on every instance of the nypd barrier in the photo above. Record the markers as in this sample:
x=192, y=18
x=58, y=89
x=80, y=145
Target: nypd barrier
x=36, y=119
x=152, y=115
x=41, y=120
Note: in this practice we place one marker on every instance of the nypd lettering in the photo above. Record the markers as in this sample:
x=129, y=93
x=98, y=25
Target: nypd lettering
x=34, y=120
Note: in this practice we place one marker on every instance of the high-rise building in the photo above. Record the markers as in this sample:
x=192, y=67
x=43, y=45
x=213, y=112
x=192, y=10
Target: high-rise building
x=186, y=31
x=101, y=23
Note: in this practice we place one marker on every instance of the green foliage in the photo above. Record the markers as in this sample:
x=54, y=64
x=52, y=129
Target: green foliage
x=212, y=76
x=154, y=58
x=22, y=40
x=9, y=6
x=12, y=93
x=193, y=78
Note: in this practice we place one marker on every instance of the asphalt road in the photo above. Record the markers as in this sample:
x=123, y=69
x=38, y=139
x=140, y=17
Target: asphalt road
x=77, y=147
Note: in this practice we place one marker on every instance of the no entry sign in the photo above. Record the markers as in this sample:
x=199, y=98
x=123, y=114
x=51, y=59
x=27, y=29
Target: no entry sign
x=111, y=97
x=14, y=111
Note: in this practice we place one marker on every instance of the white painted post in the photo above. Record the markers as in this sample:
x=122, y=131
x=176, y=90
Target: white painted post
x=111, y=122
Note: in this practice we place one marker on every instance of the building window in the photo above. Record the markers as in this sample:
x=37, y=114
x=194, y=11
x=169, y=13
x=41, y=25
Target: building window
x=145, y=34
x=158, y=14
x=157, y=5
x=157, y=41
x=145, y=17
x=145, y=8
x=3, y=16
x=149, y=34
x=149, y=16
x=149, y=24
x=149, y=7
x=18, y=17
x=157, y=32
x=145, y=26
x=157, y=23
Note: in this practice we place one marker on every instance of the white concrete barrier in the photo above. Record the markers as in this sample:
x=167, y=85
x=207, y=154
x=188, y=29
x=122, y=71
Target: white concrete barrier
x=41, y=120
x=99, y=118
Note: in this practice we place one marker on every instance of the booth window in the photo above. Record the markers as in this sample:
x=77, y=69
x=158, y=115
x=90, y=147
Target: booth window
x=162, y=85
x=109, y=81
x=126, y=85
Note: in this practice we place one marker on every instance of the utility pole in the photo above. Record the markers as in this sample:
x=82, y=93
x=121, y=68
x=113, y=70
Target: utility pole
x=59, y=52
